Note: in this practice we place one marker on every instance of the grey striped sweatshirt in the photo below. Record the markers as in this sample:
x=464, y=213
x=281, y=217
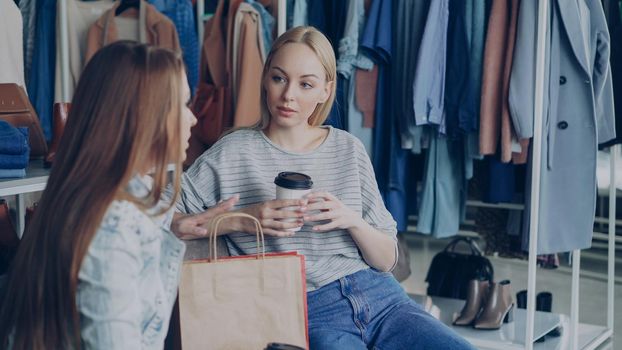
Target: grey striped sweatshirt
x=246, y=162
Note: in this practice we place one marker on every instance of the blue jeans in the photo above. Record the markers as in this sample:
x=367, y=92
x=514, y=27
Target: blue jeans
x=370, y=310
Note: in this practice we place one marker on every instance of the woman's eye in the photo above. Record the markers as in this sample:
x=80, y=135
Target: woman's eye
x=277, y=79
x=306, y=86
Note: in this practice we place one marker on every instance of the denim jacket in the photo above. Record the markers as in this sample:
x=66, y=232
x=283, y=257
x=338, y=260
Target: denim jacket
x=128, y=280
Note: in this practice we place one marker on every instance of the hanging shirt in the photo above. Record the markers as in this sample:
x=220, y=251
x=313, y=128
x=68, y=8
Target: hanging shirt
x=389, y=158
x=614, y=23
x=429, y=83
x=29, y=17
x=182, y=15
x=41, y=83
x=300, y=13
x=11, y=45
x=410, y=20
x=80, y=16
x=267, y=25
x=349, y=60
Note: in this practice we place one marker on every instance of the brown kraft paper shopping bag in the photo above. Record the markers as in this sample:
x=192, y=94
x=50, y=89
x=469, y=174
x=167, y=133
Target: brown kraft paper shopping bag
x=243, y=302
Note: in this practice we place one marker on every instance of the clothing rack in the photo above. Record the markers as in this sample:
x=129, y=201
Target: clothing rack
x=534, y=214
x=592, y=343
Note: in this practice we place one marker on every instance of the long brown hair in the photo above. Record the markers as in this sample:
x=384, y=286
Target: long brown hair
x=317, y=42
x=125, y=118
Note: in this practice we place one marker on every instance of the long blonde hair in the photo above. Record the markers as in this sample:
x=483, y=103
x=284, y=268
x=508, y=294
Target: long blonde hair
x=126, y=111
x=317, y=42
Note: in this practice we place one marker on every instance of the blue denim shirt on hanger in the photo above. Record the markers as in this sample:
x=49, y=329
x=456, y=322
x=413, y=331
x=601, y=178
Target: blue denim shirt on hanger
x=267, y=25
x=390, y=161
x=429, y=84
x=182, y=15
x=41, y=77
x=296, y=13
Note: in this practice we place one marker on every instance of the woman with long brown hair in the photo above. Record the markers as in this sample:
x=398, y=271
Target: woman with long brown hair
x=98, y=266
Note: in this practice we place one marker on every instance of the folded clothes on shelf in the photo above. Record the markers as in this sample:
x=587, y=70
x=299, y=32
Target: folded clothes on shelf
x=14, y=150
x=13, y=140
x=12, y=173
x=14, y=161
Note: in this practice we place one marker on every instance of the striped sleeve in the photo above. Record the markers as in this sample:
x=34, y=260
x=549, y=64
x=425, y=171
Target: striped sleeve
x=199, y=188
x=374, y=211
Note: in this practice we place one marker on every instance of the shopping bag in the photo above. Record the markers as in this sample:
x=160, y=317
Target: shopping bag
x=243, y=302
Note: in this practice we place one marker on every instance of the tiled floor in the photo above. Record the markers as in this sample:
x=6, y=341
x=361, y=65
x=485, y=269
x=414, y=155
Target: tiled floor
x=593, y=291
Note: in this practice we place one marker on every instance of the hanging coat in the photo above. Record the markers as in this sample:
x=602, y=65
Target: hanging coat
x=579, y=114
x=157, y=29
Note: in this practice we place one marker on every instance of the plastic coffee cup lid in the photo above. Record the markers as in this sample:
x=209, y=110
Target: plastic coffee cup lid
x=293, y=181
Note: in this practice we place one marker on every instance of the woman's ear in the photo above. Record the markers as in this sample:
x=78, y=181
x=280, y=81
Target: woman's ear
x=328, y=88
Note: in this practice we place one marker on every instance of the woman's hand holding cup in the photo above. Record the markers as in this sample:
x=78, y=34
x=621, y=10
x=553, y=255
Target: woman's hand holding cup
x=325, y=207
x=279, y=217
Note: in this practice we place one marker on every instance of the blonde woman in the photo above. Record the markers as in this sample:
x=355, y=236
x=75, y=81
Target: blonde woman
x=346, y=234
x=98, y=267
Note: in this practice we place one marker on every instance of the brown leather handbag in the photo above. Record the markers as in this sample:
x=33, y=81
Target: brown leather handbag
x=212, y=111
x=15, y=108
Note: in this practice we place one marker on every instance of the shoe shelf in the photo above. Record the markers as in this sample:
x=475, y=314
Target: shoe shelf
x=512, y=335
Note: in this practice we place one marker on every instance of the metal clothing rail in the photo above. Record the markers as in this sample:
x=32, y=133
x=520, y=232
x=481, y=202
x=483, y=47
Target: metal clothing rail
x=535, y=173
x=536, y=170
x=535, y=205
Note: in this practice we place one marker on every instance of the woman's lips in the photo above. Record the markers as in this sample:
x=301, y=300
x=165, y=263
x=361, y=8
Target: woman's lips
x=286, y=112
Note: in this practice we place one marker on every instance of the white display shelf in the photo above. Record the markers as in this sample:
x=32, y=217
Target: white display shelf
x=35, y=180
x=509, y=336
x=512, y=335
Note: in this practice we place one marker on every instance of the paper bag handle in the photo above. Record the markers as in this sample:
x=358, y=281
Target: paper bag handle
x=258, y=232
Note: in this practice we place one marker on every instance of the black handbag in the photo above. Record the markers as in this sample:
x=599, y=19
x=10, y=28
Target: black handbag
x=450, y=271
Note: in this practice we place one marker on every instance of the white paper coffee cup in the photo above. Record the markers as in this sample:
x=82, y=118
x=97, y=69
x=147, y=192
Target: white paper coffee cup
x=292, y=185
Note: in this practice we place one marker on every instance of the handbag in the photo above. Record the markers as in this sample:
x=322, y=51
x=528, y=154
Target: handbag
x=450, y=271
x=243, y=302
x=212, y=112
x=15, y=108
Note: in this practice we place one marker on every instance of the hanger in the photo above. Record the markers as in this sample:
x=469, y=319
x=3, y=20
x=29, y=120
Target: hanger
x=126, y=4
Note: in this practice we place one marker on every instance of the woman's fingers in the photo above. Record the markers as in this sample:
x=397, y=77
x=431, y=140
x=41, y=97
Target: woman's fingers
x=322, y=205
x=281, y=225
x=314, y=196
x=286, y=214
x=218, y=209
x=199, y=231
x=325, y=227
x=328, y=215
x=284, y=203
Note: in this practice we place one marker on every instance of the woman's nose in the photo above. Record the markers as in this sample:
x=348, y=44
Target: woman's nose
x=288, y=93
